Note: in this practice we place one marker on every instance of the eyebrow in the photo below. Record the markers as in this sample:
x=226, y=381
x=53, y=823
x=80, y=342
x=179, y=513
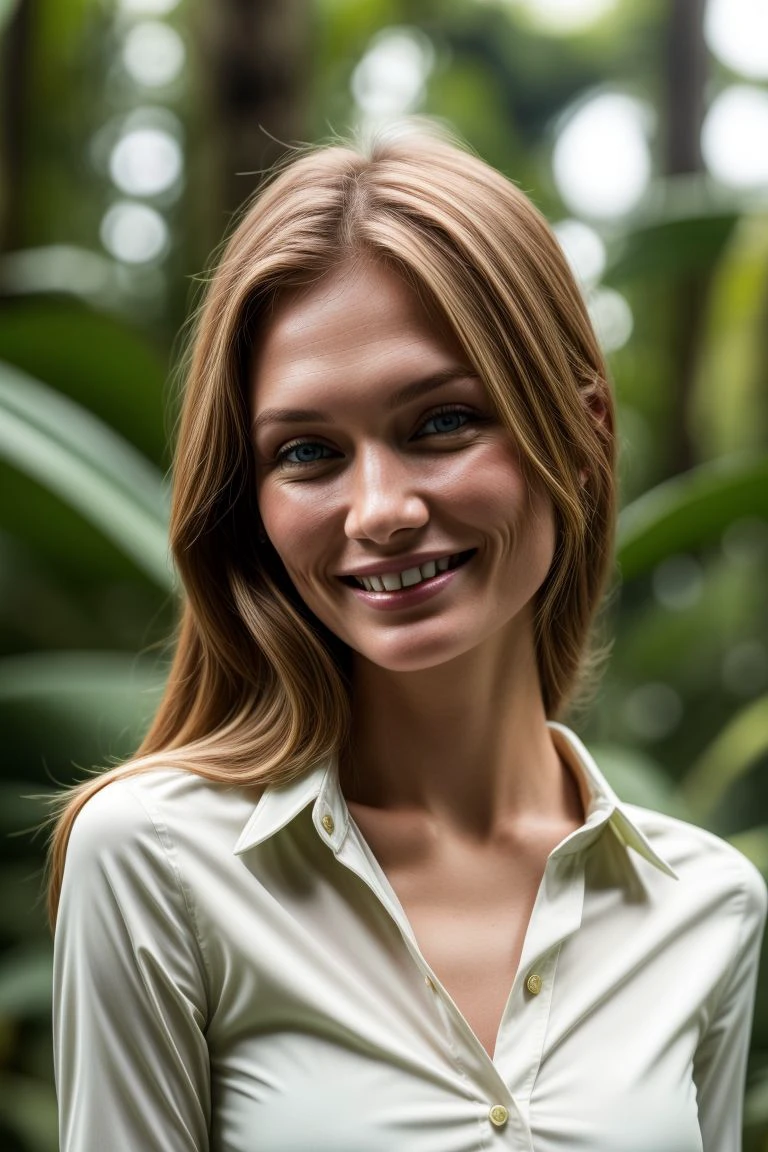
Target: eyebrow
x=398, y=399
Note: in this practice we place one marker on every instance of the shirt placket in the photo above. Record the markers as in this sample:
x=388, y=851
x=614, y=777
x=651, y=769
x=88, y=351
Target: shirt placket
x=556, y=916
x=502, y=1086
x=502, y=1122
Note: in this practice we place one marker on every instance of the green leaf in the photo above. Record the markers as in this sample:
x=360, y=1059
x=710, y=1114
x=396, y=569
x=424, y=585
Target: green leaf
x=669, y=246
x=7, y=9
x=690, y=510
x=69, y=451
x=60, y=707
x=729, y=757
x=95, y=359
x=728, y=411
x=753, y=843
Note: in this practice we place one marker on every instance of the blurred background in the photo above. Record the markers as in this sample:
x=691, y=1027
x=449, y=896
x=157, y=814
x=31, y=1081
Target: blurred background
x=131, y=131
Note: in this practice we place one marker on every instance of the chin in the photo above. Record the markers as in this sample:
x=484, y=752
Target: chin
x=411, y=657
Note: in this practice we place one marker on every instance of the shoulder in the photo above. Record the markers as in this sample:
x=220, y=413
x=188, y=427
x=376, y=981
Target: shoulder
x=146, y=850
x=708, y=868
x=137, y=814
x=125, y=914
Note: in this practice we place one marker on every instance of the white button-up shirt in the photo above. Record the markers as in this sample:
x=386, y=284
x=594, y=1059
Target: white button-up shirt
x=234, y=972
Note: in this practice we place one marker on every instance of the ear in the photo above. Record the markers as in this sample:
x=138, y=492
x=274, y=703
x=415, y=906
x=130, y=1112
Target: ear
x=597, y=399
x=598, y=402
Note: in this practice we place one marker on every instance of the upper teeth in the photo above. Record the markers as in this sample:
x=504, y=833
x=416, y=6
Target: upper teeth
x=392, y=581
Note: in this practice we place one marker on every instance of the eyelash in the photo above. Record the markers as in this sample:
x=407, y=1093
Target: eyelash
x=445, y=410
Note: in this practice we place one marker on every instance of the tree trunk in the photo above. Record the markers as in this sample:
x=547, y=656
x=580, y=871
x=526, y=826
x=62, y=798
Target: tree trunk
x=256, y=60
x=14, y=57
x=686, y=69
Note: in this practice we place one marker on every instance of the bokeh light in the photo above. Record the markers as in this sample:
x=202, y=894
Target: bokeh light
x=736, y=32
x=390, y=80
x=566, y=16
x=734, y=136
x=745, y=668
x=146, y=161
x=153, y=54
x=678, y=582
x=584, y=249
x=134, y=233
x=57, y=268
x=653, y=711
x=147, y=7
x=611, y=317
x=601, y=159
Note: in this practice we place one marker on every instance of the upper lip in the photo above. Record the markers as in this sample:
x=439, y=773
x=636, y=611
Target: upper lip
x=401, y=563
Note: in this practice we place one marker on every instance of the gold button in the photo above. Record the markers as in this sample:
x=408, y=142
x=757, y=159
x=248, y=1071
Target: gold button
x=498, y=1115
x=429, y=983
x=533, y=984
x=327, y=823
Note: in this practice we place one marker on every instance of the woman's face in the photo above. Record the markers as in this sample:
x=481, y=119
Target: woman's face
x=388, y=487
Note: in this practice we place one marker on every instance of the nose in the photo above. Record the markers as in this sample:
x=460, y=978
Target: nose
x=383, y=499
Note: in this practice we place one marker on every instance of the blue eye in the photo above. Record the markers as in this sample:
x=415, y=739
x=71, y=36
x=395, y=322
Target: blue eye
x=451, y=420
x=308, y=452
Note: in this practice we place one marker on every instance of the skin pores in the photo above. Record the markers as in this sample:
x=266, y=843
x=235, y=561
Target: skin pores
x=376, y=445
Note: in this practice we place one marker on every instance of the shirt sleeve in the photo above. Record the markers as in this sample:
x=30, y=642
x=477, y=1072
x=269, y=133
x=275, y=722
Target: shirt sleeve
x=720, y=1062
x=129, y=1002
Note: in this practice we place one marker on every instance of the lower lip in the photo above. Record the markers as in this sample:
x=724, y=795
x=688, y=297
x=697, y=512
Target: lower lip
x=409, y=597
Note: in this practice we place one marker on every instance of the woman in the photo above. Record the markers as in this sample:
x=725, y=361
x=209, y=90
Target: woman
x=359, y=890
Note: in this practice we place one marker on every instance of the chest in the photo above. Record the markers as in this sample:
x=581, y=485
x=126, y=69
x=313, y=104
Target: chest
x=329, y=1008
x=469, y=910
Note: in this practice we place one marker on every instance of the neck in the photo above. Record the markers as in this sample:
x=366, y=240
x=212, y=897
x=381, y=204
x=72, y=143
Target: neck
x=465, y=743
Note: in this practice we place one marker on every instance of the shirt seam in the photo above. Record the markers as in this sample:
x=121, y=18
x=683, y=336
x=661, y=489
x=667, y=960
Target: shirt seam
x=170, y=852
x=721, y=988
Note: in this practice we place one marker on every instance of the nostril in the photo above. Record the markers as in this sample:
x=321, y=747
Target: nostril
x=379, y=511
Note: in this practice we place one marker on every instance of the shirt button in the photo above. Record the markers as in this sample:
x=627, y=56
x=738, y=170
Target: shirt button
x=430, y=983
x=533, y=984
x=498, y=1115
x=327, y=823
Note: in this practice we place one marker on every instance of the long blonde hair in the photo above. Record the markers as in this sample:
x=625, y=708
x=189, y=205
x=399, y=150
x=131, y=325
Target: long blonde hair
x=259, y=689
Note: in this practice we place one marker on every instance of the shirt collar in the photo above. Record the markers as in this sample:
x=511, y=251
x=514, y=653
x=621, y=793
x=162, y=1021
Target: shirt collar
x=280, y=804
x=601, y=804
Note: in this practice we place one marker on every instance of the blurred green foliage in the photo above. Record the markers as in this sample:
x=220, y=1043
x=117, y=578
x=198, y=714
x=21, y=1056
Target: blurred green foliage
x=86, y=592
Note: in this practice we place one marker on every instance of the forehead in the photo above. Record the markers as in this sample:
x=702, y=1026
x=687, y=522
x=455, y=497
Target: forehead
x=363, y=324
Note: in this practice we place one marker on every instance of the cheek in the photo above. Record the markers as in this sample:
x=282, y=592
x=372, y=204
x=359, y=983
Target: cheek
x=512, y=509
x=293, y=519
x=491, y=490
x=544, y=538
x=536, y=527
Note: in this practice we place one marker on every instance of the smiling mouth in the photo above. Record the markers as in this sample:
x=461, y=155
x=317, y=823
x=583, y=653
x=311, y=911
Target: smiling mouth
x=409, y=577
